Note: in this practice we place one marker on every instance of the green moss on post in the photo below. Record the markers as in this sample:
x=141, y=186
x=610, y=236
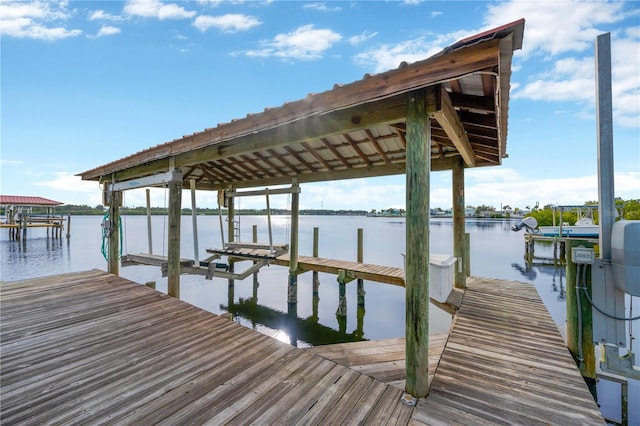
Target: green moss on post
x=574, y=305
x=417, y=240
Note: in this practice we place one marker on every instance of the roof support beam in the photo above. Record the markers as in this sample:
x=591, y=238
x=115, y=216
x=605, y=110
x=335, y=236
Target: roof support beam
x=440, y=107
x=154, y=180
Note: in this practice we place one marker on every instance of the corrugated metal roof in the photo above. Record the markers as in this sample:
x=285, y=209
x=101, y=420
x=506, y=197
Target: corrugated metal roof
x=353, y=130
x=27, y=201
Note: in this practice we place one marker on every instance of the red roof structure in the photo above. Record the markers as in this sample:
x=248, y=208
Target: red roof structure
x=19, y=200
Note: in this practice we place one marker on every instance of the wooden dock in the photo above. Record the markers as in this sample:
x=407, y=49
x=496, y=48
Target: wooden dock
x=506, y=363
x=95, y=348
x=91, y=347
x=354, y=270
x=381, y=359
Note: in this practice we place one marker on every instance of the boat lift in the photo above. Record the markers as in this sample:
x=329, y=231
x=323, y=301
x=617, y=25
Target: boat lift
x=262, y=254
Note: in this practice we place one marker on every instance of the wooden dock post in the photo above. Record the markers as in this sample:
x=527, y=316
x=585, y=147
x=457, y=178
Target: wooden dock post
x=467, y=250
x=417, y=239
x=68, y=226
x=194, y=222
x=115, y=200
x=316, y=281
x=173, y=250
x=23, y=224
x=579, y=315
x=231, y=212
x=459, y=252
x=341, y=311
x=360, y=259
x=256, y=284
x=149, y=239
x=292, y=290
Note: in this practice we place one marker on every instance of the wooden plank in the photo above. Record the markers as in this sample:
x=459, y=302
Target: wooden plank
x=355, y=270
x=91, y=347
x=505, y=362
x=151, y=259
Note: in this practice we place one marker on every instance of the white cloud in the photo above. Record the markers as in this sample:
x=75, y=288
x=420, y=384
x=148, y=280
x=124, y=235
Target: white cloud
x=156, y=9
x=107, y=30
x=362, y=38
x=386, y=56
x=321, y=6
x=101, y=15
x=68, y=182
x=564, y=34
x=211, y=3
x=229, y=23
x=304, y=43
x=503, y=185
x=35, y=20
x=558, y=26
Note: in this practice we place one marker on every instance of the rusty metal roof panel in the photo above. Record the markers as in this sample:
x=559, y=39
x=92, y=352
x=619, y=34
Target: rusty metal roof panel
x=19, y=200
x=356, y=126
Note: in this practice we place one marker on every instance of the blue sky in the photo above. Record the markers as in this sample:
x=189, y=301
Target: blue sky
x=84, y=83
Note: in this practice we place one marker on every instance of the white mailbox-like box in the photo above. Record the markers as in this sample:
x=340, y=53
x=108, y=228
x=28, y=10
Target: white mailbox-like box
x=441, y=274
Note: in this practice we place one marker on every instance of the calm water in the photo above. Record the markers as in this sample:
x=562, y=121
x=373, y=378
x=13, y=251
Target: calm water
x=496, y=252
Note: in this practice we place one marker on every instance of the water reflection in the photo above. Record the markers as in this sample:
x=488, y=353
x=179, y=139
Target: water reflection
x=289, y=326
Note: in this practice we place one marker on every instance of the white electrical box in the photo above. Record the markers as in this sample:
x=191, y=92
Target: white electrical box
x=625, y=256
x=582, y=255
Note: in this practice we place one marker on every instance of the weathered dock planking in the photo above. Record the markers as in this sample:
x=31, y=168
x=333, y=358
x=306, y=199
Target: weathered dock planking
x=354, y=270
x=95, y=348
x=506, y=363
x=91, y=347
x=380, y=359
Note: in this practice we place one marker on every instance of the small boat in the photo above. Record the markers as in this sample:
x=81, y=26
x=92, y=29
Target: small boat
x=584, y=227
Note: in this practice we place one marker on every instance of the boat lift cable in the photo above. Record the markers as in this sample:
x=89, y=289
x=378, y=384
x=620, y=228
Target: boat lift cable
x=584, y=289
x=106, y=233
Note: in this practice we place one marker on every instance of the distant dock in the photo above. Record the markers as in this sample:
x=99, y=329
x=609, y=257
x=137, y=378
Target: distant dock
x=92, y=347
x=18, y=215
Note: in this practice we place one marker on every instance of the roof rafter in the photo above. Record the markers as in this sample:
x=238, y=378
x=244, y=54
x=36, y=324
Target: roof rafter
x=439, y=106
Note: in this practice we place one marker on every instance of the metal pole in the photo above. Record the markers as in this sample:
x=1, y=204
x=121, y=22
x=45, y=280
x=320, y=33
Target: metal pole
x=604, y=121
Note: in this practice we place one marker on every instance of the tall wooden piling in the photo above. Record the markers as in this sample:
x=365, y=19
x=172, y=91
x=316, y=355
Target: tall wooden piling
x=316, y=280
x=418, y=166
x=579, y=313
x=231, y=213
x=173, y=250
x=460, y=276
x=115, y=200
x=254, y=232
x=292, y=290
x=194, y=222
x=149, y=238
x=360, y=259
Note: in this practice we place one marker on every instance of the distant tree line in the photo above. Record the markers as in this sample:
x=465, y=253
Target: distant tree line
x=628, y=209
x=100, y=210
